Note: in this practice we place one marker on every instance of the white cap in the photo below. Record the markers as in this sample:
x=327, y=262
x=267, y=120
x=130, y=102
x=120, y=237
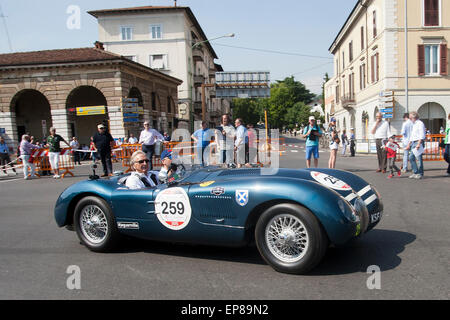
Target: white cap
x=312, y=118
x=100, y=126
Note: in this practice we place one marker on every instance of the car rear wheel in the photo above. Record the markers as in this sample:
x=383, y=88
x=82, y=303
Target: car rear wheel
x=95, y=224
x=290, y=238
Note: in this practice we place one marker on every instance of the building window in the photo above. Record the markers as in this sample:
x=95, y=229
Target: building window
x=126, y=33
x=350, y=51
x=374, y=60
x=156, y=31
x=431, y=13
x=374, y=24
x=362, y=38
x=337, y=94
x=362, y=76
x=154, y=101
x=159, y=62
x=432, y=59
x=169, y=105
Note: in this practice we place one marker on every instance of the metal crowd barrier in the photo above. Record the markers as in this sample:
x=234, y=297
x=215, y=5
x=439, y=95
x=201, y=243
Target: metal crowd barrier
x=41, y=162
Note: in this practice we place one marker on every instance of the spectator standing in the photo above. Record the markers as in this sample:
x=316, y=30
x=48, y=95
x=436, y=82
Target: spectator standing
x=202, y=138
x=104, y=142
x=4, y=156
x=75, y=145
x=166, y=137
x=225, y=140
x=447, y=145
x=334, y=146
x=352, y=142
x=132, y=139
x=406, y=133
x=26, y=149
x=252, y=144
x=241, y=144
x=382, y=132
x=312, y=133
x=344, y=140
x=391, y=153
x=93, y=150
x=54, y=145
x=417, y=142
x=148, y=139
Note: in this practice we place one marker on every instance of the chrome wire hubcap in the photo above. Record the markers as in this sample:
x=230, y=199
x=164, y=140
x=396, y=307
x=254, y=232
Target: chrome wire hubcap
x=287, y=238
x=94, y=225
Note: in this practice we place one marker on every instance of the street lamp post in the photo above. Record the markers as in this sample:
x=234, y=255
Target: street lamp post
x=204, y=85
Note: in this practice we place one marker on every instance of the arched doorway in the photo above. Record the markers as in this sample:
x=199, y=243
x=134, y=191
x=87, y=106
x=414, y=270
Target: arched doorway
x=33, y=113
x=433, y=116
x=85, y=126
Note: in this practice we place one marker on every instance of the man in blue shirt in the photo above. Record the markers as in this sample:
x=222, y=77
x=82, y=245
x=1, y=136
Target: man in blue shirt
x=312, y=133
x=202, y=138
x=4, y=156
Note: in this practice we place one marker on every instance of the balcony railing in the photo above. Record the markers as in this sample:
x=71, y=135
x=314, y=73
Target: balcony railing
x=199, y=80
x=197, y=55
x=348, y=101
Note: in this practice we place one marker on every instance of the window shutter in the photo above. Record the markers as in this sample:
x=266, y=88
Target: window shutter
x=421, y=59
x=378, y=66
x=372, y=69
x=374, y=24
x=444, y=61
x=431, y=13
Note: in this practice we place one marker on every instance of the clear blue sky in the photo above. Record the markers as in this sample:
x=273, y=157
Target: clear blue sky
x=293, y=26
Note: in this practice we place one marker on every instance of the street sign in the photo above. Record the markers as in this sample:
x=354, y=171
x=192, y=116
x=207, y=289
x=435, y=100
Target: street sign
x=388, y=110
x=386, y=93
x=131, y=120
x=131, y=115
x=130, y=104
x=387, y=115
x=243, y=84
x=89, y=111
x=386, y=99
x=133, y=110
x=387, y=105
x=131, y=100
x=2, y=130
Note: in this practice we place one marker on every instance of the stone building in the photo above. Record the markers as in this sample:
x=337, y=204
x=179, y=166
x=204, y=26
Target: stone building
x=44, y=88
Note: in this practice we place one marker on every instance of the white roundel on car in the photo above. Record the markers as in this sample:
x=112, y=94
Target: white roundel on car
x=330, y=181
x=173, y=209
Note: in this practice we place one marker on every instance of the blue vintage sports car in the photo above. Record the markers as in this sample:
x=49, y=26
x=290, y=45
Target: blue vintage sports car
x=293, y=215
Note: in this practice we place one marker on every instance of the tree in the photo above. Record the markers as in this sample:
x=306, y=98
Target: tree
x=249, y=110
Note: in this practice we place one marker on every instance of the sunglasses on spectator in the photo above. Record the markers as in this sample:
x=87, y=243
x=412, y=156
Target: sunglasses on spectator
x=142, y=161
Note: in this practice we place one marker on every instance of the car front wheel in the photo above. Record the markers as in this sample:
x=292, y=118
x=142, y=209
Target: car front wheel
x=290, y=238
x=95, y=224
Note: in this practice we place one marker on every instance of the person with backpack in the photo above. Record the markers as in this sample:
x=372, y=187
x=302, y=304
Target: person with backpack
x=312, y=133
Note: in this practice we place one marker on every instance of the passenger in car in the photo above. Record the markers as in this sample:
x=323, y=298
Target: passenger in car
x=141, y=177
x=167, y=169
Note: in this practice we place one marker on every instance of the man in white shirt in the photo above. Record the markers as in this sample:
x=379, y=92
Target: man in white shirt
x=382, y=132
x=141, y=177
x=241, y=144
x=132, y=139
x=406, y=133
x=417, y=141
x=225, y=140
x=75, y=145
x=148, y=139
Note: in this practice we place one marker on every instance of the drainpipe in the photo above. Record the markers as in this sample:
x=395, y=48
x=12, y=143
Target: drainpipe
x=406, y=57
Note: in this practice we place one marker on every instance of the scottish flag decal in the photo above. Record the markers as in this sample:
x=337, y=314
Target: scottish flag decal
x=242, y=197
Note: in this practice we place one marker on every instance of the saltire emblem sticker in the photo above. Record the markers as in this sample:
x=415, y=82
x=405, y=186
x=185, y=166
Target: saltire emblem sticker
x=330, y=181
x=173, y=208
x=242, y=197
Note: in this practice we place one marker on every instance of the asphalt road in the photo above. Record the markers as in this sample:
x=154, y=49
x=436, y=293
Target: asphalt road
x=409, y=245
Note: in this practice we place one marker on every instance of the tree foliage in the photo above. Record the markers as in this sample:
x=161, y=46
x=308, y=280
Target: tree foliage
x=286, y=107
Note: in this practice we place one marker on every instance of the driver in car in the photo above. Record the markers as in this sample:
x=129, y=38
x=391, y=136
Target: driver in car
x=141, y=177
x=167, y=169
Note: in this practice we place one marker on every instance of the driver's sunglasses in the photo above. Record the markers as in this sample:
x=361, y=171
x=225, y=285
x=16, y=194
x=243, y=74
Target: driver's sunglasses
x=142, y=161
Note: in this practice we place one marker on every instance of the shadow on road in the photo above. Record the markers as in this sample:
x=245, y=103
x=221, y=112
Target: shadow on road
x=378, y=247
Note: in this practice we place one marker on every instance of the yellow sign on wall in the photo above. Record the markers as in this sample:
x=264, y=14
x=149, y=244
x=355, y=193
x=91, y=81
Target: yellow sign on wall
x=90, y=111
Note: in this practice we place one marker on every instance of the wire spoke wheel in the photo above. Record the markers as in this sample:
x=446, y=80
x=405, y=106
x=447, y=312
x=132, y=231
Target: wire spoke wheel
x=287, y=238
x=93, y=224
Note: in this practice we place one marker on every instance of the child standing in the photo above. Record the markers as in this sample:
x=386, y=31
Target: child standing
x=391, y=150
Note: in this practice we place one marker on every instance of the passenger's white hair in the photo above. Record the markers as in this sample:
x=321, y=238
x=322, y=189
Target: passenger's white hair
x=134, y=156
